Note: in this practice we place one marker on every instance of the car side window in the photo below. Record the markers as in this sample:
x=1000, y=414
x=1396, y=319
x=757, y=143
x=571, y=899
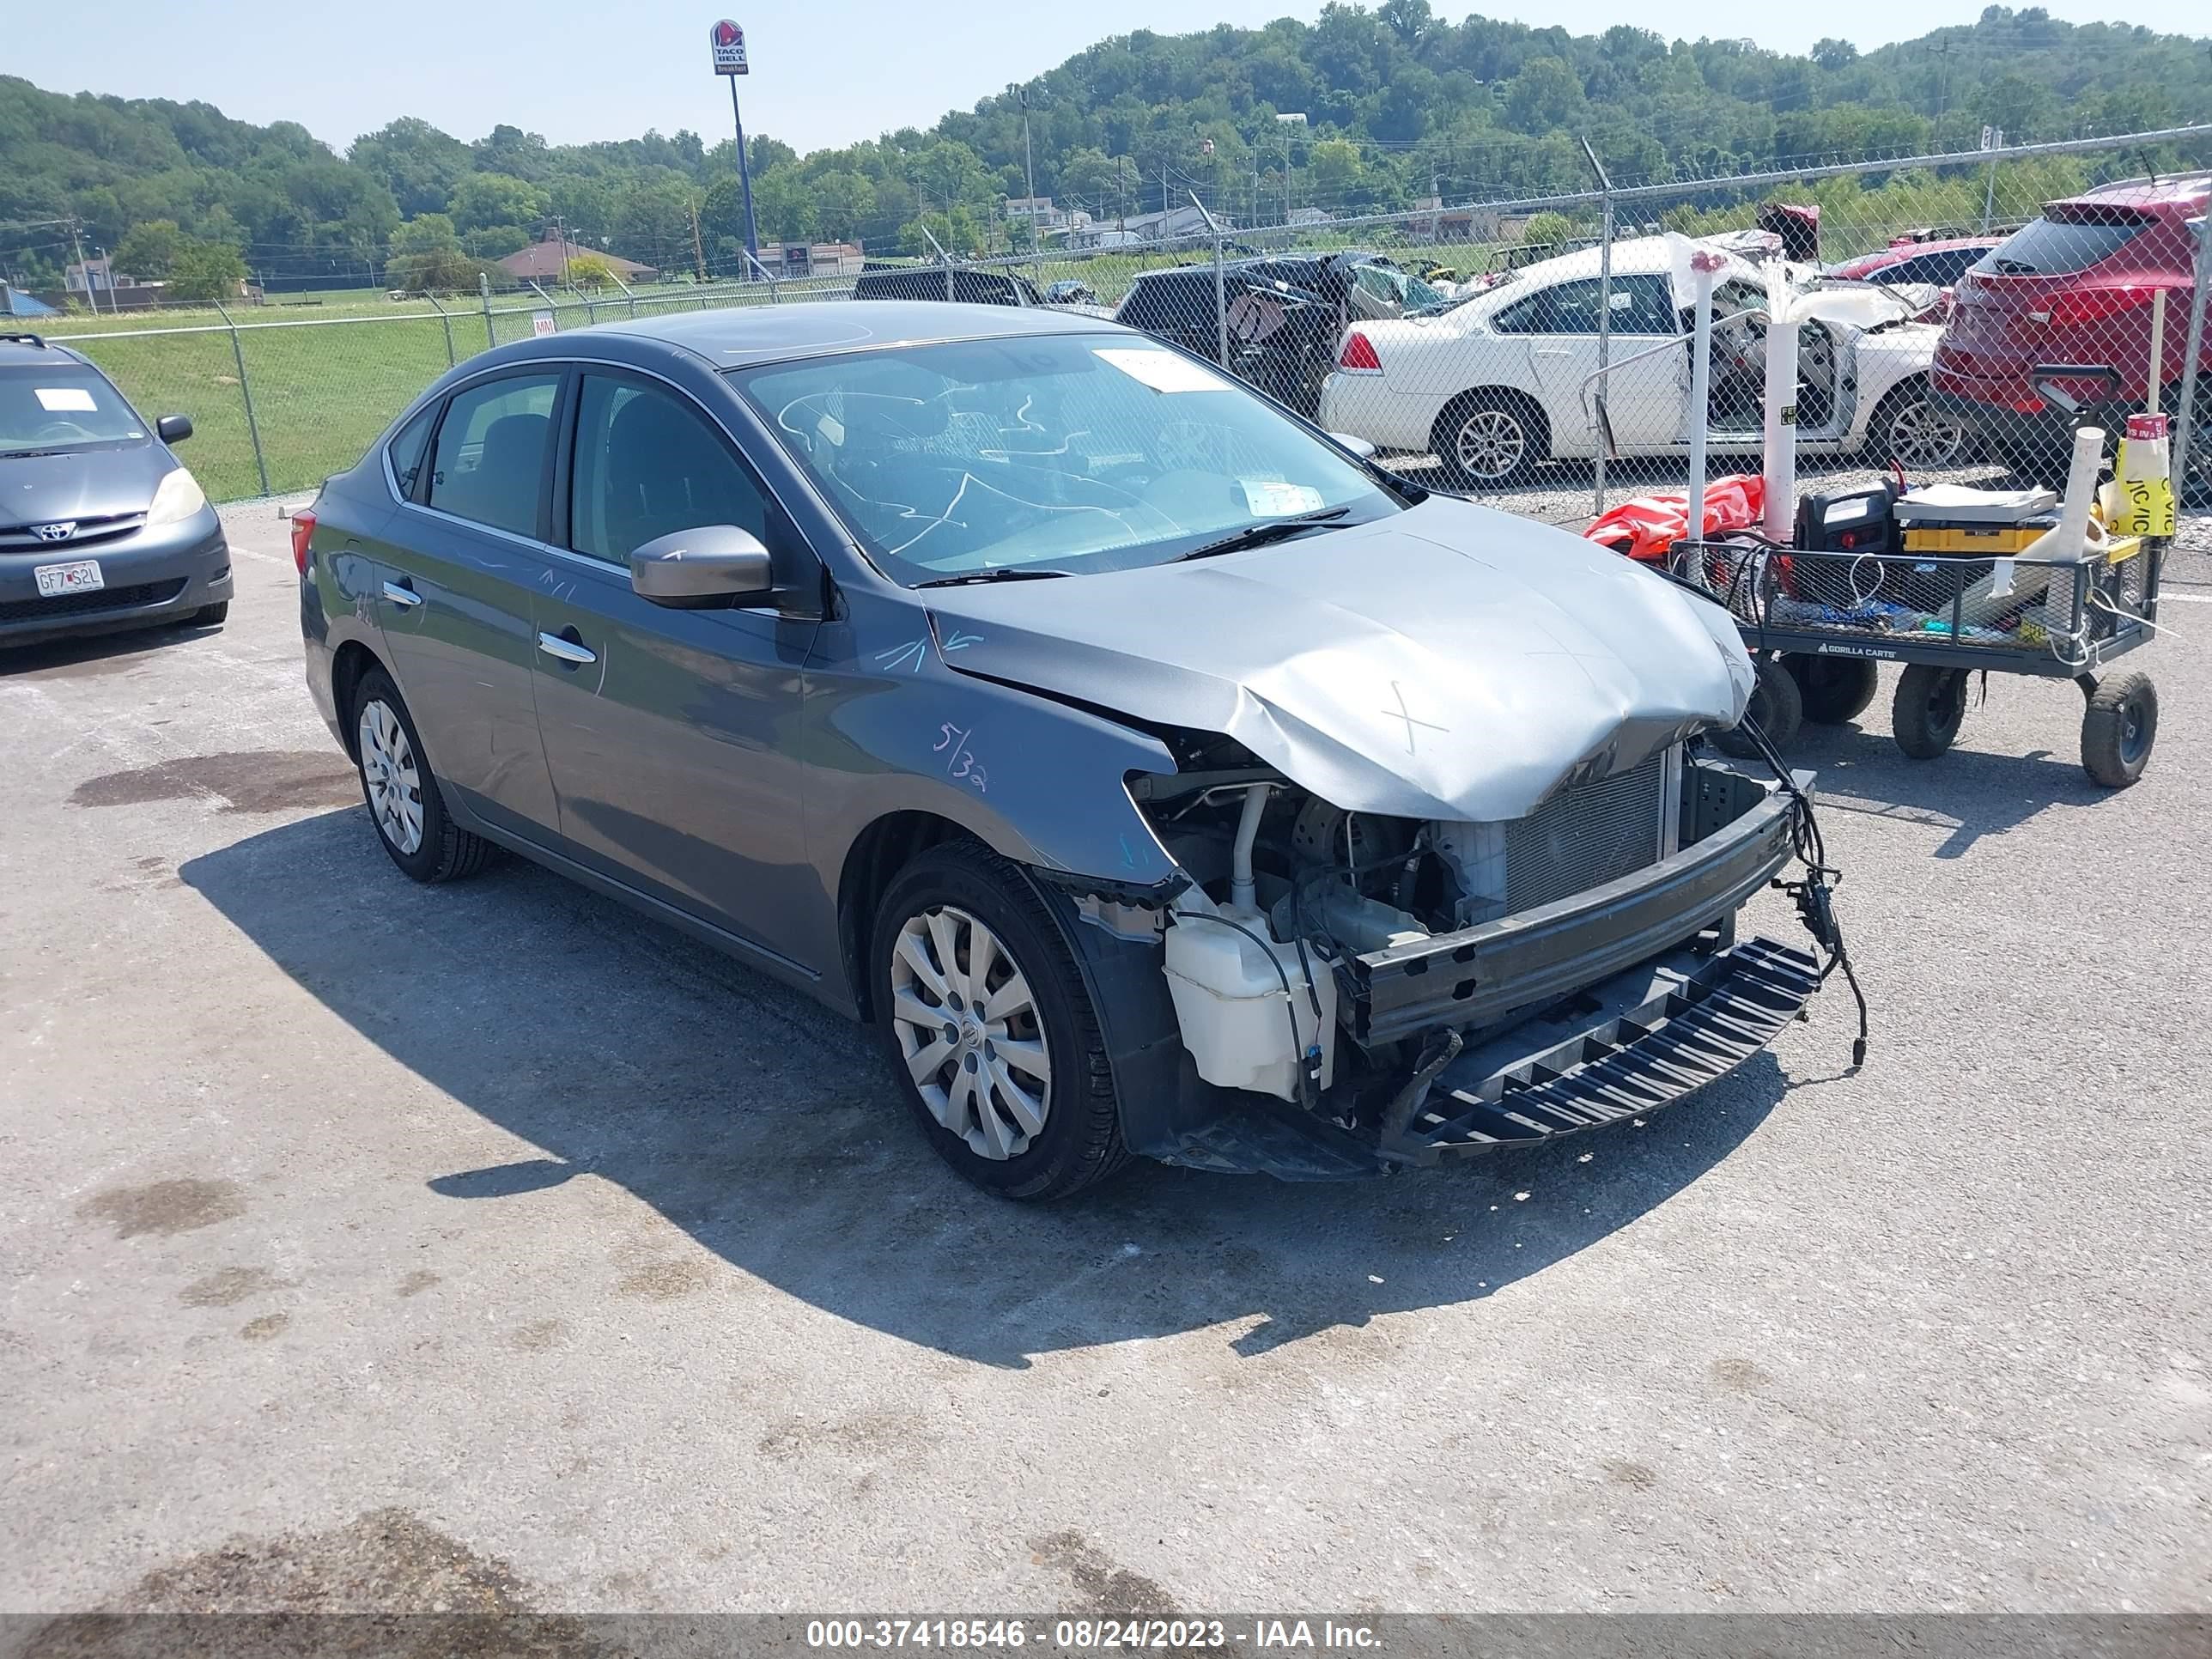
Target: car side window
x=1641, y=305
x=649, y=463
x=409, y=449
x=489, y=461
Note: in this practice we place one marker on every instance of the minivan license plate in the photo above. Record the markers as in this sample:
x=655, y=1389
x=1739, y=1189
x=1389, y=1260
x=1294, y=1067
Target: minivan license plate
x=81, y=576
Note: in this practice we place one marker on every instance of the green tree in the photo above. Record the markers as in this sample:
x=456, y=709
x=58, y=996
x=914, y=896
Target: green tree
x=426, y=233
x=590, y=270
x=150, y=250
x=206, y=270
x=1545, y=96
x=496, y=198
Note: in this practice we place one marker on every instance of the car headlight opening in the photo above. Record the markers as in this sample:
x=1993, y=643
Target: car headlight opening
x=178, y=497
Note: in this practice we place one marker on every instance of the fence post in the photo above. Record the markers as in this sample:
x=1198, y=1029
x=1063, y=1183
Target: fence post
x=627, y=295
x=246, y=391
x=1220, y=283
x=1604, y=322
x=2185, y=414
x=446, y=318
x=483, y=293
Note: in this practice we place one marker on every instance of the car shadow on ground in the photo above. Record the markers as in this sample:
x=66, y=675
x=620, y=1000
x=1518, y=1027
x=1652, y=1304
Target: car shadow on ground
x=91, y=656
x=767, y=1128
x=1969, y=792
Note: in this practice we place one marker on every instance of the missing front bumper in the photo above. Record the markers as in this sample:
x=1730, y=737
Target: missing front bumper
x=1624, y=1049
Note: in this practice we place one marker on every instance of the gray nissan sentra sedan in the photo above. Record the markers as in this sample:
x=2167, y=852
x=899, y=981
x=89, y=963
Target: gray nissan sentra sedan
x=1156, y=773
x=100, y=528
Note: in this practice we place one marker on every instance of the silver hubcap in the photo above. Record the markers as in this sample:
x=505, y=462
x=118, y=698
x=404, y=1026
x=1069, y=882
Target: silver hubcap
x=1920, y=437
x=395, y=786
x=1490, y=444
x=968, y=1028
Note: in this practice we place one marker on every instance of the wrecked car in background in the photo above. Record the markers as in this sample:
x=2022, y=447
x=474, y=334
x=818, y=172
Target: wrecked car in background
x=1282, y=313
x=1494, y=385
x=1156, y=776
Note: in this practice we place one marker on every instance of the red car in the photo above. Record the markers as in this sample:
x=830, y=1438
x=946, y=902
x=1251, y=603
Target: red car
x=2073, y=287
x=1905, y=264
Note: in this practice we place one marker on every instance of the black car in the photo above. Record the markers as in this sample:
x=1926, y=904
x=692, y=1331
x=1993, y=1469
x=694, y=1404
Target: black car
x=101, y=529
x=957, y=283
x=1284, y=313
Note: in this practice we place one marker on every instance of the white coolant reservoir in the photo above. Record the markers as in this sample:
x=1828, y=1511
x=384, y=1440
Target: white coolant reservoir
x=1229, y=1002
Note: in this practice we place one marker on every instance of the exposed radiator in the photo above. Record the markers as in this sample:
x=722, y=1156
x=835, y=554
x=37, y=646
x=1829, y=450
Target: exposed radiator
x=1581, y=838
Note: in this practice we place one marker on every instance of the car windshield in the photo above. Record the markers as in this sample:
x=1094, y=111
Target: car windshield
x=1066, y=453
x=62, y=406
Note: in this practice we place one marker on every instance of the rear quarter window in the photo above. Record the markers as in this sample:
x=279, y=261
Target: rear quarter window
x=2058, y=244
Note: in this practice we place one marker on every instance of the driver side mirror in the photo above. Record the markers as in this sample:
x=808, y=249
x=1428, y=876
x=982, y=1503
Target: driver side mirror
x=1358, y=446
x=702, y=569
x=173, y=428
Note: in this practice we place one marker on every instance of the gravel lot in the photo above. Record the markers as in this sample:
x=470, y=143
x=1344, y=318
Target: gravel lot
x=368, y=1245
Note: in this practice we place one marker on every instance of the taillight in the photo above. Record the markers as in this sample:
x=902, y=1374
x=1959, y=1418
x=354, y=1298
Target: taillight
x=1357, y=355
x=2081, y=306
x=303, y=531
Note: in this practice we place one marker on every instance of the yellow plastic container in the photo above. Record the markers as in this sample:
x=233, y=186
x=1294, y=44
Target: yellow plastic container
x=1969, y=540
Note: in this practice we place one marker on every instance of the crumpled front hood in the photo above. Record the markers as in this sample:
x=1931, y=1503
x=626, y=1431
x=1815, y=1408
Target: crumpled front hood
x=1449, y=661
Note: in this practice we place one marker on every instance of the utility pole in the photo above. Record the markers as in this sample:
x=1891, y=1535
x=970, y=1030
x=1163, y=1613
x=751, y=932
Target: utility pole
x=560, y=229
x=83, y=268
x=699, y=247
x=1029, y=166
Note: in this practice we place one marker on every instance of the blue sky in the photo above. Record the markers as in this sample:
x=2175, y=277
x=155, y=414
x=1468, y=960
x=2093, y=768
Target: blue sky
x=826, y=72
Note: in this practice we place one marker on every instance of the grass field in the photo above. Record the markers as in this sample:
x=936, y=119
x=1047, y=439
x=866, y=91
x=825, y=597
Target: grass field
x=325, y=379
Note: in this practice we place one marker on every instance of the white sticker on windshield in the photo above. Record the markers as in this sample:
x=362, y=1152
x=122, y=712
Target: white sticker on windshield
x=64, y=399
x=1272, y=498
x=1162, y=371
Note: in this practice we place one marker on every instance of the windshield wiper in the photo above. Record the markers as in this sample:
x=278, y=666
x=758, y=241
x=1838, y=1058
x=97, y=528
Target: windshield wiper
x=1004, y=573
x=1267, y=530
x=28, y=454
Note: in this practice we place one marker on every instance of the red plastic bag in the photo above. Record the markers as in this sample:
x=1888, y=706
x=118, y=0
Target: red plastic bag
x=1646, y=526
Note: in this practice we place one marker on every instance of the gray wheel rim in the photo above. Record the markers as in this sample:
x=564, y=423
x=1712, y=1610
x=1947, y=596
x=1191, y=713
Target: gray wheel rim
x=969, y=1032
x=1918, y=436
x=1489, y=444
x=395, y=783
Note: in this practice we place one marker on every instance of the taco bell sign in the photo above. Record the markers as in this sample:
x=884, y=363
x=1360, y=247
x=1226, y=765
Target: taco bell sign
x=729, y=43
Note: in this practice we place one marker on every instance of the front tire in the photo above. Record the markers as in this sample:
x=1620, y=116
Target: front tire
x=1777, y=707
x=1930, y=708
x=1490, y=440
x=211, y=616
x=402, y=797
x=2118, y=729
x=1835, y=690
x=989, y=1028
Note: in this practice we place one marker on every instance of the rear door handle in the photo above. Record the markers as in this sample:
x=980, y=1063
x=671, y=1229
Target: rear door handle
x=402, y=595
x=574, y=652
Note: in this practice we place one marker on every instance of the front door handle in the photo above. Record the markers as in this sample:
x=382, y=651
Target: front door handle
x=402, y=595
x=562, y=648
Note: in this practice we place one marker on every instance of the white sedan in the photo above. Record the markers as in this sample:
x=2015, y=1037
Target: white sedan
x=1492, y=385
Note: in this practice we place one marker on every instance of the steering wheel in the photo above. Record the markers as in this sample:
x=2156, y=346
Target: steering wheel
x=61, y=432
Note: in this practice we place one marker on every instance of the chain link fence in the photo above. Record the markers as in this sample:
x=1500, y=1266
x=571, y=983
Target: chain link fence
x=1536, y=354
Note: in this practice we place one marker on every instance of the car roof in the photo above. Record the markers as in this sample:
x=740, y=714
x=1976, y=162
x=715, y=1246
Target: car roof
x=14, y=353
x=1883, y=256
x=819, y=328
x=2181, y=189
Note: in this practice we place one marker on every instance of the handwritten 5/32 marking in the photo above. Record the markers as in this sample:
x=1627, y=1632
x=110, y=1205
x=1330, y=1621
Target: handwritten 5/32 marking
x=961, y=763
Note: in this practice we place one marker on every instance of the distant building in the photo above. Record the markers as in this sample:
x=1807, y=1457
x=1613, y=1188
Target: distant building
x=1309, y=216
x=14, y=303
x=546, y=261
x=793, y=260
x=101, y=286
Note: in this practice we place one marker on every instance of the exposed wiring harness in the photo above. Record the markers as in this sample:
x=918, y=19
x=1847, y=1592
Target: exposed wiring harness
x=1815, y=896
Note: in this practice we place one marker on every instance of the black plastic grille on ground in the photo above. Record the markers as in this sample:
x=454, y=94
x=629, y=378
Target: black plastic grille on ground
x=1629, y=1067
x=92, y=604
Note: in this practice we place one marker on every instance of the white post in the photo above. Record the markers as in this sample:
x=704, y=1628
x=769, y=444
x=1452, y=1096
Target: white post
x=1780, y=434
x=1702, y=263
x=2153, y=391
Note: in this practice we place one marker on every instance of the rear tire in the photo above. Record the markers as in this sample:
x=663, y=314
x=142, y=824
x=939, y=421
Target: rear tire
x=2119, y=729
x=211, y=616
x=1930, y=706
x=1490, y=440
x=402, y=797
x=1835, y=690
x=1909, y=430
x=1019, y=1097
x=1777, y=706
